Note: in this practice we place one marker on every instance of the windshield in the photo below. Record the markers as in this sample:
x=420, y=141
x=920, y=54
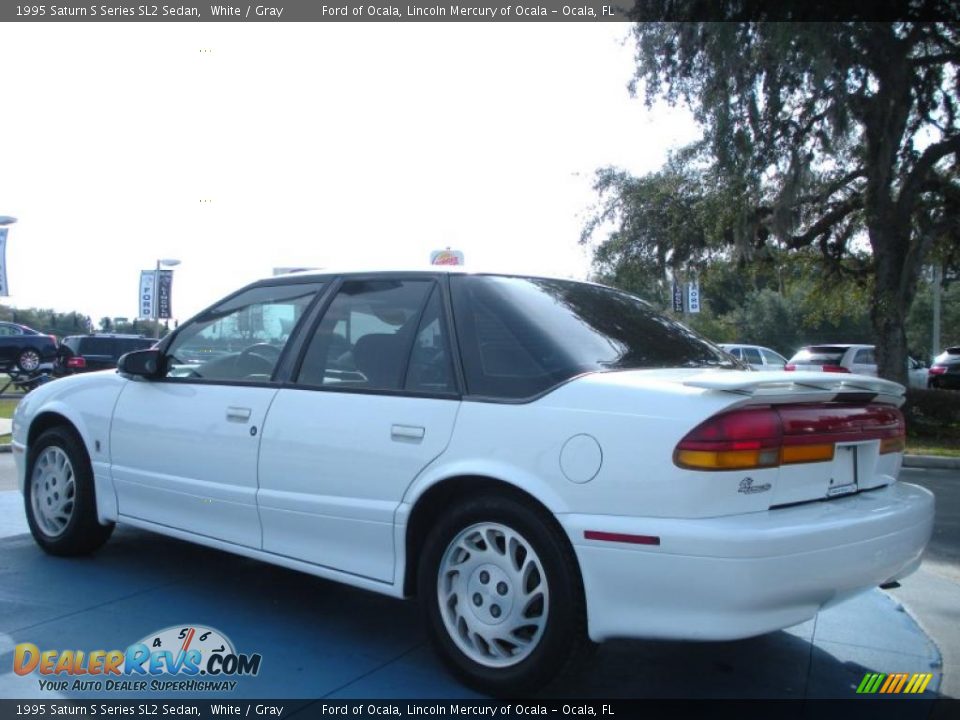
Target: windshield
x=521, y=336
x=819, y=355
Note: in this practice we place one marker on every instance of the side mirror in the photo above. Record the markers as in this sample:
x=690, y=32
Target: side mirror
x=141, y=363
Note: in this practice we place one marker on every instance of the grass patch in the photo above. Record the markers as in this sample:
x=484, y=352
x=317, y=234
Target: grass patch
x=7, y=407
x=933, y=446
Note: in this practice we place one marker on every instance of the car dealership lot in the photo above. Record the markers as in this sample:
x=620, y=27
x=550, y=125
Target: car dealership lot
x=319, y=639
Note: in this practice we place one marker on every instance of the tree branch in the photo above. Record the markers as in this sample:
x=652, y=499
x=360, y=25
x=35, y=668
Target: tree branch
x=914, y=182
x=939, y=59
x=823, y=226
x=833, y=187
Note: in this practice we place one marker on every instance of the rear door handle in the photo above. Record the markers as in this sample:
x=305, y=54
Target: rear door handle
x=407, y=432
x=238, y=414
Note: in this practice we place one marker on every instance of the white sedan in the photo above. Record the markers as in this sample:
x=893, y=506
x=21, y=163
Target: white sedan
x=543, y=462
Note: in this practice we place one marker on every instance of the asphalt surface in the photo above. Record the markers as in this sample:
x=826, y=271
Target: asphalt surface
x=319, y=639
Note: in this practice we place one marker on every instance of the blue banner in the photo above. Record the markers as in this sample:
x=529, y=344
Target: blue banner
x=4, y=289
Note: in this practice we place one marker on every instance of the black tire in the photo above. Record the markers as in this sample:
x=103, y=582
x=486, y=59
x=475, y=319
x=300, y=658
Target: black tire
x=563, y=639
x=80, y=533
x=28, y=360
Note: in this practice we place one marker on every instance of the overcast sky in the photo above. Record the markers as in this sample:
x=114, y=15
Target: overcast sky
x=312, y=145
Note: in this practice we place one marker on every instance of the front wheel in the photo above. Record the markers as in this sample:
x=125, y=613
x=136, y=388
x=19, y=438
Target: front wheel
x=502, y=595
x=59, y=496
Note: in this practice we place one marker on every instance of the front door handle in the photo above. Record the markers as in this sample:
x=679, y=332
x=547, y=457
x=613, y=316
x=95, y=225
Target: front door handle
x=238, y=414
x=407, y=432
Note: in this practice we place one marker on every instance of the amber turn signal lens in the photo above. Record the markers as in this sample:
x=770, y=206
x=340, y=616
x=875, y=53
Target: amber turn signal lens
x=893, y=444
x=806, y=453
x=726, y=459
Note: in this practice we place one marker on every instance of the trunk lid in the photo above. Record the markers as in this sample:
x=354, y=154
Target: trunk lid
x=840, y=433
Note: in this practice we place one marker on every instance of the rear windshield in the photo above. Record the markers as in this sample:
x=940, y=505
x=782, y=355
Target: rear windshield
x=950, y=356
x=110, y=347
x=819, y=355
x=521, y=336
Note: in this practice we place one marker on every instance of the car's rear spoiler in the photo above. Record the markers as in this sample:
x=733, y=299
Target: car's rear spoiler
x=781, y=387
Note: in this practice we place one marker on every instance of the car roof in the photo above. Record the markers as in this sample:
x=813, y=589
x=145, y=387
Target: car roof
x=365, y=269
x=744, y=345
x=835, y=345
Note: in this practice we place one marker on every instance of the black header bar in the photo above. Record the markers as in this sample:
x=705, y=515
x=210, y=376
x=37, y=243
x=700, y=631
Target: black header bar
x=479, y=11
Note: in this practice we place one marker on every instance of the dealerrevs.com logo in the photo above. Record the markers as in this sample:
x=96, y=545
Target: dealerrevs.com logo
x=181, y=658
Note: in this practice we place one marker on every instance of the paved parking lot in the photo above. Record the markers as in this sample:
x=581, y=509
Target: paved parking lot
x=319, y=639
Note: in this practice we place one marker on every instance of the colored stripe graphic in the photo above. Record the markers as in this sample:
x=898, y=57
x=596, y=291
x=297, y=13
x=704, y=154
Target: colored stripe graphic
x=922, y=681
x=897, y=683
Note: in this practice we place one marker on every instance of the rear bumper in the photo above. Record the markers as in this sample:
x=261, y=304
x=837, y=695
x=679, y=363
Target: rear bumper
x=739, y=576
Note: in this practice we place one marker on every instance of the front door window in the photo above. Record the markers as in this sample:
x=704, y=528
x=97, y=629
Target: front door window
x=240, y=339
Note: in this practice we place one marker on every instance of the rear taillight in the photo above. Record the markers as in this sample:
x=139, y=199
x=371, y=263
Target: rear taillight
x=789, y=367
x=834, y=368
x=937, y=370
x=76, y=363
x=785, y=435
x=733, y=441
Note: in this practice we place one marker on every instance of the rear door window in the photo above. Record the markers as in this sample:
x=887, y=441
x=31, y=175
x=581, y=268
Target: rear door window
x=772, y=358
x=366, y=335
x=752, y=356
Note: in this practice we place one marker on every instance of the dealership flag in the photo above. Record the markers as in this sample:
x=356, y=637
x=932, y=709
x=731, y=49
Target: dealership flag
x=677, y=297
x=147, y=279
x=4, y=292
x=164, y=297
x=693, y=296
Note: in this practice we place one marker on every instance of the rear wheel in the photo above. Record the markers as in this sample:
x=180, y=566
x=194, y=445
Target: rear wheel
x=502, y=595
x=59, y=496
x=28, y=360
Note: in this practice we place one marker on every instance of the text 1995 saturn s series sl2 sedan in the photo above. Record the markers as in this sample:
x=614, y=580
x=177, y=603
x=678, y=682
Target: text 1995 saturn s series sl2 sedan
x=542, y=462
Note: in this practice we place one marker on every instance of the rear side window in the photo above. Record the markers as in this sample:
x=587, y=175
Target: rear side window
x=865, y=357
x=522, y=336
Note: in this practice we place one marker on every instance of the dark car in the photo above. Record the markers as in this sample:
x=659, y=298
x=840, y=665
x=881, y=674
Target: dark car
x=85, y=353
x=945, y=371
x=23, y=349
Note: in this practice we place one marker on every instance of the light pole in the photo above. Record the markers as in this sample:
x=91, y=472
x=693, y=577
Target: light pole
x=165, y=262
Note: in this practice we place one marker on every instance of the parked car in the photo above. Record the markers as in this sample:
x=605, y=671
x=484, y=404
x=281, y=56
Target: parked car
x=540, y=461
x=23, y=349
x=756, y=356
x=84, y=353
x=945, y=371
x=860, y=359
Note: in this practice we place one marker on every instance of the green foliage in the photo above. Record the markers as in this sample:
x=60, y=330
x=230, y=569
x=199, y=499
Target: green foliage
x=933, y=413
x=833, y=137
x=47, y=321
x=73, y=323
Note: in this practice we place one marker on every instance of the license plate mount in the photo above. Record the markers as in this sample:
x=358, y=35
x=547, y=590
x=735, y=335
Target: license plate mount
x=843, y=477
